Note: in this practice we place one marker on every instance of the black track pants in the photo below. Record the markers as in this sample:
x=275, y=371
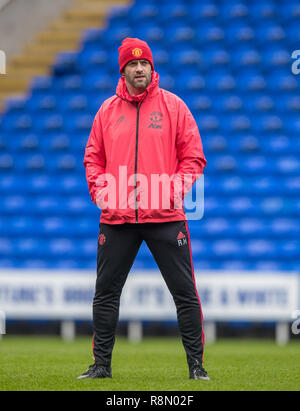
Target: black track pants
x=169, y=243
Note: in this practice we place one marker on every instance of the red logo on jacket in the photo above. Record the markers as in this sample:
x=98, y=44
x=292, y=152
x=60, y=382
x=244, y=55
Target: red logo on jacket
x=102, y=239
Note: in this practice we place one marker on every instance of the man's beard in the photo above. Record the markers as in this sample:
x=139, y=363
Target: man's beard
x=140, y=84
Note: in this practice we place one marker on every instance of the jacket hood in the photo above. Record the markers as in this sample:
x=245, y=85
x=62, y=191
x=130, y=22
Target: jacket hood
x=152, y=89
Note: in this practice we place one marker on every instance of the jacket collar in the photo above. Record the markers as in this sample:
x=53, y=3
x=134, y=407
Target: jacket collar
x=151, y=90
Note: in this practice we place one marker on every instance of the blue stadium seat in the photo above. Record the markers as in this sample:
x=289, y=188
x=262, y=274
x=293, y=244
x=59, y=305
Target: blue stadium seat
x=208, y=122
x=15, y=104
x=201, y=103
x=256, y=186
x=186, y=60
x=201, y=12
x=235, y=123
x=93, y=35
x=3, y=142
x=181, y=35
x=96, y=99
x=276, y=56
x=235, y=265
x=77, y=123
x=290, y=11
x=16, y=123
x=252, y=227
x=6, y=163
x=227, y=249
x=68, y=83
x=228, y=103
x=247, y=144
x=21, y=142
x=62, y=163
x=234, y=10
x=160, y=56
x=261, y=103
x=239, y=34
x=22, y=226
x=115, y=35
x=285, y=227
x=42, y=84
x=29, y=143
x=9, y=184
x=65, y=62
x=245, y=56
x=152, y=34
x=214, y=57
x=288, y=104
x=291, y=124
x=262, y=11
x=14, y=205
x=97, y=82
x=216, y=143
x=6, y=247
x=209, y=33
x=75, y=103
x=43, y=103
x=262, y=248
x=216, y=227
x=288, y=165
x=49, y=123
x=55, y=142
x=173, y=12
x=94, y=60
x=292, y=186
x=285, y=82
x=190, y=83
x=269, y=33
x=144, y=12
x=118, y=15
x=220, y=83
x=250, y=82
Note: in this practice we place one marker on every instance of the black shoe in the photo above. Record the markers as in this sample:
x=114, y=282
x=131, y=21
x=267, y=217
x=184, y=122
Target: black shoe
x=197, y=372
x=96, y=371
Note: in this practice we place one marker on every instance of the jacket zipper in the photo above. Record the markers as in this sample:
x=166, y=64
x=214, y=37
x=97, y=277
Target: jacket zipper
x=136, y=152
x=136, y=159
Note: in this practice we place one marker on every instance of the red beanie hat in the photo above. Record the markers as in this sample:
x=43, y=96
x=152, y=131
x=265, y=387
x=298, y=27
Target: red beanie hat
x=134, y=49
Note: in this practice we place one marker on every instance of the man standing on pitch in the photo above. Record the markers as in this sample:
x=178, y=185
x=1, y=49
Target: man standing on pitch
x=148, y=132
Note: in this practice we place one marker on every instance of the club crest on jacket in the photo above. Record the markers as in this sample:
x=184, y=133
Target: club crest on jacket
x=156, y=120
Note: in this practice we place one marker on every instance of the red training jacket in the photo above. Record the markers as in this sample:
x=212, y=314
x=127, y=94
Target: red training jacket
x=150, y=134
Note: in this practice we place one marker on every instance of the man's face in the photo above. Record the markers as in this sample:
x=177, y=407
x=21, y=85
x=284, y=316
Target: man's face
x=138, y=74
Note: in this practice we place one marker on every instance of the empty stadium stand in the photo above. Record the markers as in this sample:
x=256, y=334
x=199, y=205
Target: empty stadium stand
x=231, y=62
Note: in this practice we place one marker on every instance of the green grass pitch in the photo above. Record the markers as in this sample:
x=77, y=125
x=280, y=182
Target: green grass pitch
x=49, y=364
